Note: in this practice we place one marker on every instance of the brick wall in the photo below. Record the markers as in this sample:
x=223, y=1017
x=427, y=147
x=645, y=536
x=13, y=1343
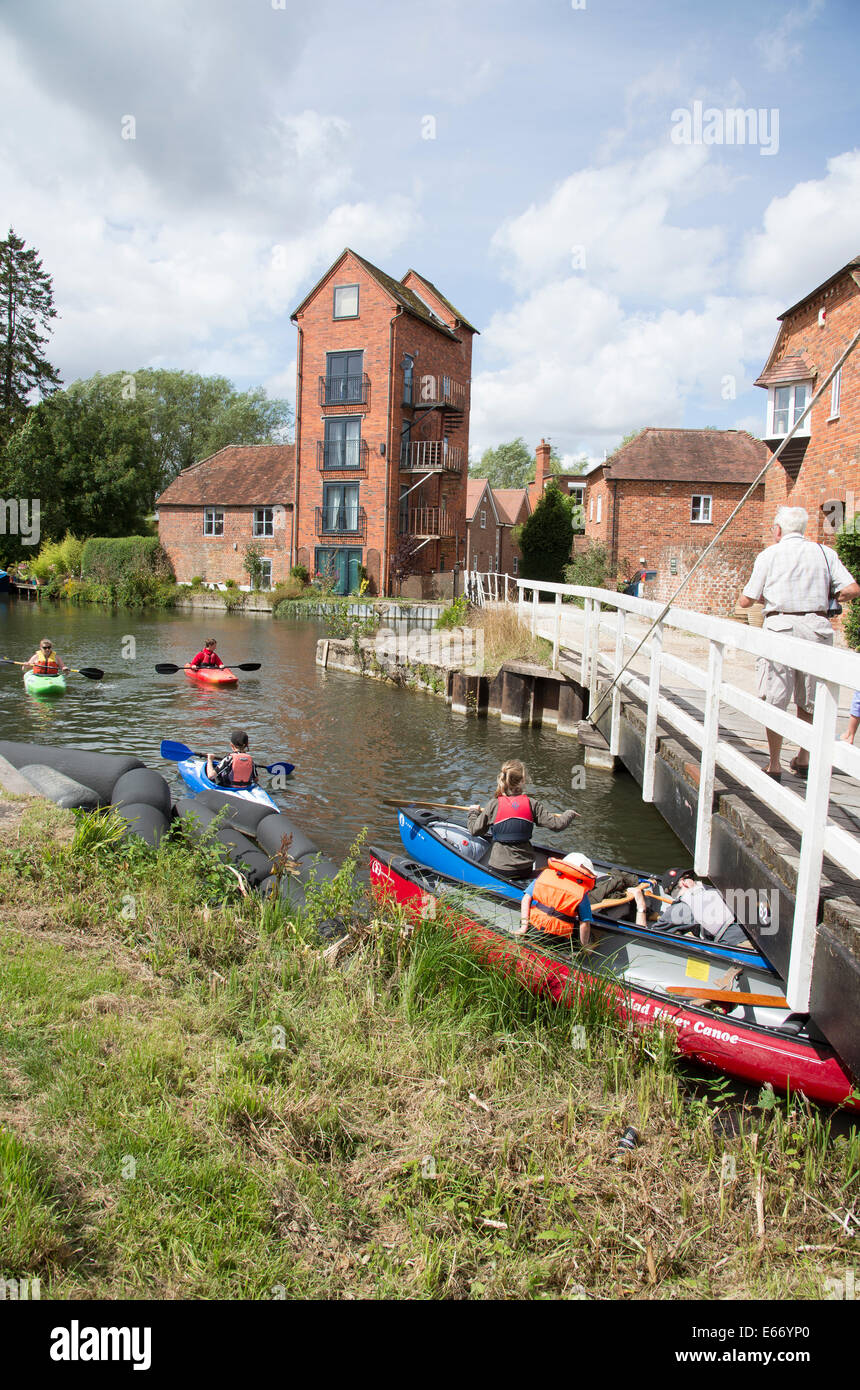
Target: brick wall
x=218, y=558
x=714, y=588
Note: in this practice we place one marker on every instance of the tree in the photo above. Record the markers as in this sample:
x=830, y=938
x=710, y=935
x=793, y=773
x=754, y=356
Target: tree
x=403, y=560
x=26, y=310
x=510, y=465
x=545, y=539
x=252, y=564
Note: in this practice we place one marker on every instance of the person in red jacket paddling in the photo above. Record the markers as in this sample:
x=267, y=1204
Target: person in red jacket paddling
x=207, y=657
x=238, y=769
x=510, y=817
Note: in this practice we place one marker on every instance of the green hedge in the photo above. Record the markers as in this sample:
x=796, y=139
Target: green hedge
x=846, y=543
x=110, y=561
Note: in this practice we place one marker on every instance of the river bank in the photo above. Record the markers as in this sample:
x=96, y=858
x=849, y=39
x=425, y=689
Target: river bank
x=195, y=1104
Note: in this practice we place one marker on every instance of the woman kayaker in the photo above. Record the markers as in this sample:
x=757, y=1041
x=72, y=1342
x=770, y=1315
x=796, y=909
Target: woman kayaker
x=510, y=816
x=238, y=769
x=45, y=662
x=206, y=657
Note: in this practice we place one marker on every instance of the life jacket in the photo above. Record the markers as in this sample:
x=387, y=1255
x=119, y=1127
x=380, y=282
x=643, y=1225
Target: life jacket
x=556, y=896
x=241, y=769
x=207, y=658
x=514, y=820
x=45, y=665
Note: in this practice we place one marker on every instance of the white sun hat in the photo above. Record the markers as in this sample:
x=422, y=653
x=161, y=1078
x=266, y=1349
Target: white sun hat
x=580, y=861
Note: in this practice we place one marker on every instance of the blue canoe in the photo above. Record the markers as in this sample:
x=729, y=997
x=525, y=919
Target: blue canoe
x=193, y=773
x=459, y=858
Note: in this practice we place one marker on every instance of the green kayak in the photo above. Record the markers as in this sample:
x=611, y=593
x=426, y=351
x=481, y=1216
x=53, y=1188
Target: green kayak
x=44, y=685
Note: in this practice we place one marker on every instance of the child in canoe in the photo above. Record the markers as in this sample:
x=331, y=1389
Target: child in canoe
x=45, y=662
x=206, y=657
x=238, y=769
x=509, y=817
x=556, y=902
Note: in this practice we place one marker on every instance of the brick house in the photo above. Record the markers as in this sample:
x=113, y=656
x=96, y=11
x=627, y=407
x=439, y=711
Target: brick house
x=821, y=464
x=491, y=515
x=573, y=484
x=212, y=512
x=382, y=423
x=663, y=495
x=514, y=507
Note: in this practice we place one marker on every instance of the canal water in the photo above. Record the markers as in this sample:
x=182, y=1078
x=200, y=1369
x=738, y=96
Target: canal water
x=354, y=741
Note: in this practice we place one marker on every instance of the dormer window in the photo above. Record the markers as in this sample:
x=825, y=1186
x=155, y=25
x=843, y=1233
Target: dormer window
x=785, y=405
x=345, y=302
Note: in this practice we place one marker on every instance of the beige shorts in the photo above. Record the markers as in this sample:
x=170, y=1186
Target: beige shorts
x=780, y=685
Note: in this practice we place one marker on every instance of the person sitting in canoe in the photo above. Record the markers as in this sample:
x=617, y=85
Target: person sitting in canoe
x=45, y=662
x=238, y=769
x=556, y=902
x=701, y=909
x=510, y=816
x=206, y=657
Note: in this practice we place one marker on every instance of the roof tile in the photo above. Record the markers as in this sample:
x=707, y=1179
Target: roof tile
x=239, y=475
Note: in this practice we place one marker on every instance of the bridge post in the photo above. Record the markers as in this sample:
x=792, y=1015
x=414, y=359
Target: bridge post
x=615, y=728
x=535, y=599
x=595, y=654
x=707, y=765
x=586, y=638
x=816, y=807
x=650, y=755
x=556, y=641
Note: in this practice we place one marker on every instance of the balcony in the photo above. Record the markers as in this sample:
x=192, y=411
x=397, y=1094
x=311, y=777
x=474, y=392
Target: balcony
x=427, y=523
x=431, y=456
x=345, y=390
x=342, y=456
x=342, y=523
x=438, y=393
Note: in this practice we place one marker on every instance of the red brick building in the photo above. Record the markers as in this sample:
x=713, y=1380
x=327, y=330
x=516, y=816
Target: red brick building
x=491, y=515
x=821, y=464
x=514, y=507
x=664, y=495
x=382, y=424
x=212, y=512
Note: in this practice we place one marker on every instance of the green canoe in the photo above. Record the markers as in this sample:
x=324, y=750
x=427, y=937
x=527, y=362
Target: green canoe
x=44, y=685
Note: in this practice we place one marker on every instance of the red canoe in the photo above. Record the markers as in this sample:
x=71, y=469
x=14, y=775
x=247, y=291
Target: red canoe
x=212, y=675
x=784, y=1055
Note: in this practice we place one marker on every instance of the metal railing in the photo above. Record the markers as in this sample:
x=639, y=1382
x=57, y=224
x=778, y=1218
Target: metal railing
x=345, y=390
x=341, y=521
x=427, y=523
x=832, y=667
x=430, y=391
x=431, y=455
x=344, y=455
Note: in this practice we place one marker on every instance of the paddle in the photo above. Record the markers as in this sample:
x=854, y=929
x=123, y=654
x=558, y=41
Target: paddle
x=430, y=805
x=178, y=752
x=92, y=673
x=616, y=902
x=730, y=996
x=167, y=668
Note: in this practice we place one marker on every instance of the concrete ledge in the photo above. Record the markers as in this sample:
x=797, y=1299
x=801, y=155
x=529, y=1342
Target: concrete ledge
x=13, y=783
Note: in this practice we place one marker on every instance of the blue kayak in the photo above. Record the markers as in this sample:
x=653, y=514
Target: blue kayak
x=460, y=858
x=193, y=773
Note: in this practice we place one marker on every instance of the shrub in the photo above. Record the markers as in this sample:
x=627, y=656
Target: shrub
x=301, y=573
x=846, y=543
x=252, y=564
x=233, y=597
x=287, y=591
x=589, y=567
x=230, y=584
x=109, y=560
x=545, y=539
x=455, y=614
x=197, y=583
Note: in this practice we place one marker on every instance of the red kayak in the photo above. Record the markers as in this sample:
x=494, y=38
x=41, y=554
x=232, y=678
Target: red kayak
x=212, y=675
x=761, y=1045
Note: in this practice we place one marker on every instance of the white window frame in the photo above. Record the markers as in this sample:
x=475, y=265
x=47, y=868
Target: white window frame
x=793, y=412
x=591, y=508
x=483, y=519
x=262, y=522
x=337, y=289
x=835, y=395
x=599, y=509
x=515, y=560
x=702, y=498
x=213, y=517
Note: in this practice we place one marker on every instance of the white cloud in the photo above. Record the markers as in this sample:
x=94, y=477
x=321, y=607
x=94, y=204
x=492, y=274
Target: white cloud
x=777, y=45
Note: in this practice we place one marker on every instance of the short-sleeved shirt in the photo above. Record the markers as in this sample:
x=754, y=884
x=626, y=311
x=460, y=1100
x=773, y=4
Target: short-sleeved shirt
x=795, y=576
x=584, y=909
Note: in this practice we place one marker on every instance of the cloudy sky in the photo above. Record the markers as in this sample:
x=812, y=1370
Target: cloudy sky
x=532, y=159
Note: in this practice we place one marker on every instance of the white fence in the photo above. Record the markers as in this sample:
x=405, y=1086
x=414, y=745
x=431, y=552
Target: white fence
x=607, y=612
x=490, y=587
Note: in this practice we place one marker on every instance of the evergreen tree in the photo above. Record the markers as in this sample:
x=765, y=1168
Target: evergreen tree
x=545, y=540
x=26, y=310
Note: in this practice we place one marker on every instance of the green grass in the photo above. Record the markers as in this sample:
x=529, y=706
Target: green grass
x=196, y=1102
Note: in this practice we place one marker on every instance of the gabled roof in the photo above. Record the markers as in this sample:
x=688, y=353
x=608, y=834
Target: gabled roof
x=406, y=299
x=475, y=489
x=239, y=475
x=767, y=378
x=439, y=295
x=849, y=268
x=794, y=366
x=694, y=456
x=509, y=500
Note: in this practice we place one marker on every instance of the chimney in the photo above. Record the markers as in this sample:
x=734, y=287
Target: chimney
x=542, y=471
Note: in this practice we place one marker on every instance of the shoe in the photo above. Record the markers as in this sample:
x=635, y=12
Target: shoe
x=799, y=769
x=776, y=776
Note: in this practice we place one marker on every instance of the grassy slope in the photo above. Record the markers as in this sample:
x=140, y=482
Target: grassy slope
x=194, y=1103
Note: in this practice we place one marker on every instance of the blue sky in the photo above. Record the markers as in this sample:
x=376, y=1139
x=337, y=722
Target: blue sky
x=618, y=276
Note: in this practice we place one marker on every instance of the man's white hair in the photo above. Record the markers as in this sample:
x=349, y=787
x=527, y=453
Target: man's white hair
x=791, y=520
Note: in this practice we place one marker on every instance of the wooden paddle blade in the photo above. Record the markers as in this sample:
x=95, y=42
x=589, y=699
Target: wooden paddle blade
x=167, y=668
x=729, y=996
x=92, y=673
x=174, y=752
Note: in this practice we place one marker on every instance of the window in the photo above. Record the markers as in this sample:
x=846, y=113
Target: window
x=405, y=436
x=264, y=521
x=408, y=375
x=340, y=507
x=265, y=574
x=483, y=521
x=835, y=393
x=591, y=508
x=516, y=564
x=786, y=407
x=700, y=509
x=345, y=302
x=344, y=377
x=343, y=442
x=213, y=521
x=599, y=507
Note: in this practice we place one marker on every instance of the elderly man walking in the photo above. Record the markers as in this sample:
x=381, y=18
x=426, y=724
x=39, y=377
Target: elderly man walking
x=794, y=579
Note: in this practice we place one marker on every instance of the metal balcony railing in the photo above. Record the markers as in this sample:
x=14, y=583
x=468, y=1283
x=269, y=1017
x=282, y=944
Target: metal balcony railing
x=345, y=390
x=342, y=456
x=434, y=391
x=341, y=521
x=427, y=523
x=431, y=455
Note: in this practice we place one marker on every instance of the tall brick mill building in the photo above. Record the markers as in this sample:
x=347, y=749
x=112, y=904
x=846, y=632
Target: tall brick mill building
x=382, y=424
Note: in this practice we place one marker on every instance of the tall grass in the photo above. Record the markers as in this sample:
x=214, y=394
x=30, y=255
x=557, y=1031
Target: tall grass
x=507, y=639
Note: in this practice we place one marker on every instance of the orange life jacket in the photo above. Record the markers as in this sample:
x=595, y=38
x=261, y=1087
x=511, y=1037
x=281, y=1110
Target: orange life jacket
x=241, y=769
x=556, y=896
x=43, y=665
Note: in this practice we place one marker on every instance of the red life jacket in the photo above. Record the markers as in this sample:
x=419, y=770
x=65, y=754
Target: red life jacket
x=46, y=665
x=206, y=658
x=241, y=769
x=556, y=896
x=514, y=820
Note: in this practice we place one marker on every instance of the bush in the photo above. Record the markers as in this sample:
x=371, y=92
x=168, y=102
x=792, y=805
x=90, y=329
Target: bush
x=301, y=573
x=545, y=539
x=455, y=614
x=233, y=597
x=589, y=567
x=111, y=560
x=287, y=591
x=197, y=583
